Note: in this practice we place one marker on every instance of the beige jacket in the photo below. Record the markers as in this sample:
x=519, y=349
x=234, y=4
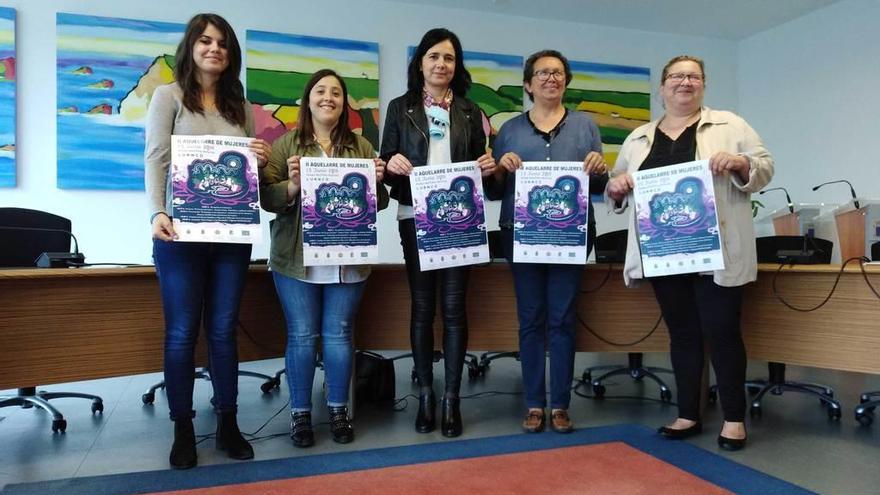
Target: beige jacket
x=718, y=131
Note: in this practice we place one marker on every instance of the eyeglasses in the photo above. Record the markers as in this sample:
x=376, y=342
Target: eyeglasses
x=679, y=77
x=543, y=75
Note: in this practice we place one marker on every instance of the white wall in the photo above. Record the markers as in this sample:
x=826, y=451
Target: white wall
x=112, y=226
x=810, y=88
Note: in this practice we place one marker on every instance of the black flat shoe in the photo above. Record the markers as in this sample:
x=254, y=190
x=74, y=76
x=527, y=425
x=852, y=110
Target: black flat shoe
x=450, y=425
x=426, y=419
x=731, y=444
x=680, y=433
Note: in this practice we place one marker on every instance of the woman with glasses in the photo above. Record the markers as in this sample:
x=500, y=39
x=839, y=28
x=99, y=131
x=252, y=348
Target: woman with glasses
x=200, y=282
x=437, y=83
x=546, y=294
x=701, y=308
x=318, y=301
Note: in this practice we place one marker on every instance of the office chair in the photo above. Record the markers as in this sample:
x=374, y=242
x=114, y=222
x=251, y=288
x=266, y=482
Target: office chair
x=868, y=401
x=775, y=383
x=496, y=253
x=205, y=374
x=18, y=249
x=611, y=248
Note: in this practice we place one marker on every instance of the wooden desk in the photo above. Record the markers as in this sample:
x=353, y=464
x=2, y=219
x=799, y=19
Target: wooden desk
x=75, y=324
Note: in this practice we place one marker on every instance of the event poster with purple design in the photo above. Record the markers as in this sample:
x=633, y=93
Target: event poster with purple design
x=339, y=211
x=550, y=213
x=216, y=194
x=676, y=221
x=449, y=216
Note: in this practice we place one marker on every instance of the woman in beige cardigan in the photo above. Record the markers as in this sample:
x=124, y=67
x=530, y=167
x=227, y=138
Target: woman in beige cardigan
x=702, y=307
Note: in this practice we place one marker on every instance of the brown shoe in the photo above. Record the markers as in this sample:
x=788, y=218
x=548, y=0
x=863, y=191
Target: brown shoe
x=560, y=422
x=534, y=422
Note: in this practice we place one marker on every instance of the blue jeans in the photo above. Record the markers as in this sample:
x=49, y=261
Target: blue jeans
x=546, y=305
x=311, y=311
x=200, y=280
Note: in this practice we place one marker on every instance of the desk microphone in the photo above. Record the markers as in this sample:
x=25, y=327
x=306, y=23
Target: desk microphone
x=851, y=190
x=787, y=197
x=53, y=260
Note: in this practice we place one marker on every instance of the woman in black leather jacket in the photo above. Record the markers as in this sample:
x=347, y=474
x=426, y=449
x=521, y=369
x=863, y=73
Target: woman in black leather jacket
x=436, y=83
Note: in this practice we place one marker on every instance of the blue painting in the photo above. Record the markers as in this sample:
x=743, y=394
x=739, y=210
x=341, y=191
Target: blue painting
x=7, y=97
x=107, y=71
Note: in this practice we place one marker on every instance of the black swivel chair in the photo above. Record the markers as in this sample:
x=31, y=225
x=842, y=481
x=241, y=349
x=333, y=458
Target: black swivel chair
x=21, y=248
x=768, y=249
x=496, y=252
x=868, y=401
x=611, y=248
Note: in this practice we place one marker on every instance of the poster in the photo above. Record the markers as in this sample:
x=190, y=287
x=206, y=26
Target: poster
x=449, y=217
x=338, y=211
x=216, y=195
x=676, y=220
x=550, y=213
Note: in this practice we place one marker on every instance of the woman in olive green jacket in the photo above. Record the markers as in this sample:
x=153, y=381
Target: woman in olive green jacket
x=317, y=300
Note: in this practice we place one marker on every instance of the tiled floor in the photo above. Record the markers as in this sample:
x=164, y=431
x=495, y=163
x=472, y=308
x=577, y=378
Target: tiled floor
x=794, y=440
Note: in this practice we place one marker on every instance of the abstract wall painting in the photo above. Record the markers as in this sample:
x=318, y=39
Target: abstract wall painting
x=617, y=97
x=107, y=69
x=279, y=66
x=7, y=97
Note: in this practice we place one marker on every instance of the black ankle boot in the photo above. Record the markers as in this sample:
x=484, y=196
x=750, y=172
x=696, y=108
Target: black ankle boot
x=229, y=437
x=340, y=425
x=183, y=451
x=301, y=429
x=450, y=424
x=426, y=420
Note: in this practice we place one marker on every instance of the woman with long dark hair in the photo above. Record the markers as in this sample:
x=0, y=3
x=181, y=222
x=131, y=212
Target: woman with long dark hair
x=201, y=282
x=318, y=301
x=437, y=83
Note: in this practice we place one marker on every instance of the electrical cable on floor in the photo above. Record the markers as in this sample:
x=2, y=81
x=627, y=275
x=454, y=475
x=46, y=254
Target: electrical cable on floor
x=861, y=259
x=620, y=344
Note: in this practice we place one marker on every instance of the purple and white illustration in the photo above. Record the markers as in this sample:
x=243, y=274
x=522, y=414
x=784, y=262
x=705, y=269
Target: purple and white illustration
x=339, y=207
x=215, y=189
x=449, y=217
x=677, y=224
x=550, y=213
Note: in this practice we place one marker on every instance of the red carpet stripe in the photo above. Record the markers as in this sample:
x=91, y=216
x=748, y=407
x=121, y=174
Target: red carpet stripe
x=601, y=469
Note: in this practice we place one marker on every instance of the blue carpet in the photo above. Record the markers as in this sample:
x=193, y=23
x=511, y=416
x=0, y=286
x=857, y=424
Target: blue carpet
x=701, y=463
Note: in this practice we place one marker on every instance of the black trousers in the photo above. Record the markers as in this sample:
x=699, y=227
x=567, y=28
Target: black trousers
x=423, y=286
x=697, y=311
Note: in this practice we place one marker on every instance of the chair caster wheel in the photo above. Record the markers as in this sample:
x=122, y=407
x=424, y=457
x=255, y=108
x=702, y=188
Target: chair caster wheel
x=587, y=377
x=148, y=398
x=864, y=418
x=267, y=386
x=833, y=413
x=59, y=425
x=97, y=407
x=666, y=395
x=599, y=391
x=473, y=372
x=755, y=411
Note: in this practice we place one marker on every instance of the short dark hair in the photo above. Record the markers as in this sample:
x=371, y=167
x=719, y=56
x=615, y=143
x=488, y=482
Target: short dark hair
x=682, y=58
x=529, y=69
x=341, y=134
x=415, y=82
x=230, y=92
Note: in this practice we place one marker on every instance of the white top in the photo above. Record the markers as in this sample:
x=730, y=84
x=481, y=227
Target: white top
x=439, y=151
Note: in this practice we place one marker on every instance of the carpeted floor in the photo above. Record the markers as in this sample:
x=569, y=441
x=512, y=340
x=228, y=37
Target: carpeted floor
x=624, y=459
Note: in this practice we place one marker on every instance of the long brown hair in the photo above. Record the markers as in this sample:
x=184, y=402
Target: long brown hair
x=341, y=134
x=230, y=93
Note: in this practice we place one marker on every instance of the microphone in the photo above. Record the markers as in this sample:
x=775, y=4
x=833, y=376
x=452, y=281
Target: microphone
x=53, y=259
x=851, y=190
x=787, y=197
